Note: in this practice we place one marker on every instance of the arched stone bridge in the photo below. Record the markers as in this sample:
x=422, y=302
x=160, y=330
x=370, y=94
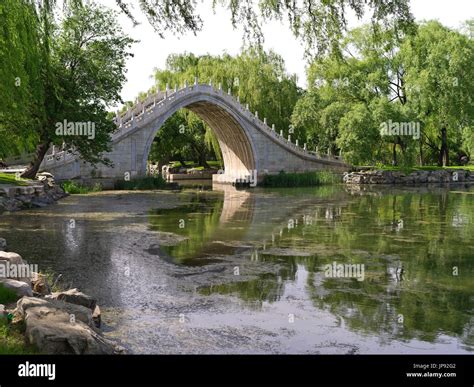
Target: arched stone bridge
x=249, y=146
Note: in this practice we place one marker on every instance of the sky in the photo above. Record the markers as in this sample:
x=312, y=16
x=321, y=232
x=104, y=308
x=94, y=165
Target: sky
x=218, y=36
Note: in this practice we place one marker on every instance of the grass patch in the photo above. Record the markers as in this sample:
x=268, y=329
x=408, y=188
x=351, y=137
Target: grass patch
x=10, y=178
x=306, y=179
x=7, y=296
x=143, y=183
x=12, y=341
x=74, y=188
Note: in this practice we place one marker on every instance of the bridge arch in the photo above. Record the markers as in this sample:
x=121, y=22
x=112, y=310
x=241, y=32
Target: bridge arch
x=238, y=150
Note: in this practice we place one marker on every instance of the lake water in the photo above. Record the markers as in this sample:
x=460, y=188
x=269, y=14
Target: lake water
x=230, y=271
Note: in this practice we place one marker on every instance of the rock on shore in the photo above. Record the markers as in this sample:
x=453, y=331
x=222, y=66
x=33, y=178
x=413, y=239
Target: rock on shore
x=40, y=193
x=415, y=177
x=57, y=327
x=65, y=322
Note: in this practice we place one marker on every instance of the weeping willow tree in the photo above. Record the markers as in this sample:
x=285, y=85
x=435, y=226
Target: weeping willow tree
x=22, y=90
x=318, y=23
x=56, y=67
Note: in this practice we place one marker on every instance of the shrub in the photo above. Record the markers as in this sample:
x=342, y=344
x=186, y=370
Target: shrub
x=305, y=179
x=143, y=183
x=72, y=187
x=7, y=295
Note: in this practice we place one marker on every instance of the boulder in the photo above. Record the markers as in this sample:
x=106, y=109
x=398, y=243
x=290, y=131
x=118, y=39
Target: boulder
x=415, y=177
x=49, y=328
x=13, y=258
x=74, y=296
x=96, y=318
x=44, y=175
x=40, y=285
x=19, y=287
x=421, y=177
x=76, y=312
x=13, y=266
x=433, y=178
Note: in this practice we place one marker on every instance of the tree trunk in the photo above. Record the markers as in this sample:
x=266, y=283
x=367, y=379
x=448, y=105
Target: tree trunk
x=443, y=159
x=394, y=154
x=161, y=163
x=33, y=168
x=421, y=152
x=203, y=161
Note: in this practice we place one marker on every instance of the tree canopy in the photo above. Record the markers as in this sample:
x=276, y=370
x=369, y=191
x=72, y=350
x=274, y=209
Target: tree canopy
x=421, y=81
x=58, y=69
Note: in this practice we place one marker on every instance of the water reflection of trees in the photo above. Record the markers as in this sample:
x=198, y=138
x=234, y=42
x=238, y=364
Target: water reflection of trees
x=423, y=236
x=428, y=299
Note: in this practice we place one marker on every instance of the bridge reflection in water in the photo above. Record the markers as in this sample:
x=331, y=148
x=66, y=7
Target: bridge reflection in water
x=405, y=240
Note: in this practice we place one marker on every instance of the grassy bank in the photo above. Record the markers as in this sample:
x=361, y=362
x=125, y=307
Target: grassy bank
x=10, y=178
x=306, y=179
x=12, y=341
x=7, y=296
